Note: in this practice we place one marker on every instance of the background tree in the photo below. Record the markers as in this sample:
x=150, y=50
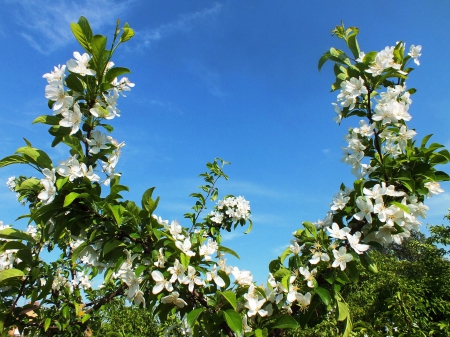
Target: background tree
x=409, y=296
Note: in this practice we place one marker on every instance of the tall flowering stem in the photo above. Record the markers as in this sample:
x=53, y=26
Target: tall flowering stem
x=394, y=177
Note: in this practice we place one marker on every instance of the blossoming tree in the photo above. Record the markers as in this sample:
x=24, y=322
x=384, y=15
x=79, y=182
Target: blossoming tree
x=76, y=207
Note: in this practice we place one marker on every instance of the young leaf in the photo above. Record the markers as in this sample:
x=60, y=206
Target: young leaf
x=343, y=312
x=115, y=72
x=47, y=119
x=324, y=295
x=311, y=228
x=79, y=35
x=11, y=233
x=368, y=263
x=234, y=320
x=127, y=34
x=74, y=83
x=228, y=251
x=10, y=273
x=193, y=316
x=230, y=297
x=285, y=322
x=98, y=48
x=14, y=159
x=35, y=156
x=85, y=27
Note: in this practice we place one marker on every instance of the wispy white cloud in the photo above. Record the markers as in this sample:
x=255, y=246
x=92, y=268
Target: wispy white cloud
x=184, y=23
x=165, y=107
x=44, y=24
x=228, y=236
x=210, y=77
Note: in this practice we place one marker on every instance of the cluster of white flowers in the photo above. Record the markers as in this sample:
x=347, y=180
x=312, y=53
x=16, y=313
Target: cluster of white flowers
x=73, y=169
x=383, y=60
x=79, y=280
x=11, y=183
x=47, y=195
x=127, y=274
x=231, y=208
x=291, y=295
x=350, y=91
x=109, y=167
x=390, y=215
x=67, y=106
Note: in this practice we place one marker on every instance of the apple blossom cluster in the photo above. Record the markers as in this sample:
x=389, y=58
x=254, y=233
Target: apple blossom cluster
x=61, y=281
x=66, y=103
x=231, y=208
x=127, y=275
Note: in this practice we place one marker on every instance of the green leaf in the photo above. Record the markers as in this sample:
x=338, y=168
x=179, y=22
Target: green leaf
x=85, y=318
x=282, y=273
x=11, y=245
x=228, y=251
x=79, y=35
x=110, y=245
x=11, y=233
x=35, y=156
x=311, y=228
x=425, y=140
x=234, y=320
x=285, y=322
x=368, y=263
x=348, y=327
x=324, y=294
x=98, y=44
x=115, y=72
x=193, y=316
x=342, y=277
x=74, y=83
x=29, y=184
x=285, y=254
x=343, y=312
x=47, y=322
x=65, y=311
x=147, y=202
x=184, y=259
x=127, y=34
x=259, y=333
x=352, y=269
x=74, y=143
x=14, y=159
x=250, y=226
x=116, y=211
x=85, y=27
x=230, y=297
x=70, y=198
x=47, y=119
x=325, y=57
x=353, y=45
x=7, y=274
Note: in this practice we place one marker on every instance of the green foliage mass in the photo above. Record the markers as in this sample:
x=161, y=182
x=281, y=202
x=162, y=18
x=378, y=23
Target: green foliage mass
x=119, y=320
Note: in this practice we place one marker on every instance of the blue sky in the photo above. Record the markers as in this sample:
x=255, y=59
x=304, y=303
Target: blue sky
x=230, y=79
